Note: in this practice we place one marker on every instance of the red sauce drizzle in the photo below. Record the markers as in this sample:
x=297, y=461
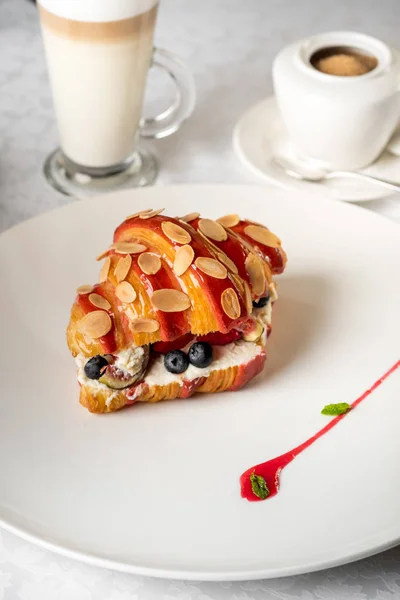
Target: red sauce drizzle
x=271, y=470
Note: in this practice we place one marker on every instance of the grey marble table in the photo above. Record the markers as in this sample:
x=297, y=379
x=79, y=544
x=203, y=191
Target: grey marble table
x=229, y=45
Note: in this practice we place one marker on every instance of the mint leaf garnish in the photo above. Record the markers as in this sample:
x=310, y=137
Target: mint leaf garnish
x=259, y=486
x=336, y=409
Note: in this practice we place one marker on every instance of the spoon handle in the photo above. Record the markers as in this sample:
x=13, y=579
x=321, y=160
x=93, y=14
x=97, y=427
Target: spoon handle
x=363, y=176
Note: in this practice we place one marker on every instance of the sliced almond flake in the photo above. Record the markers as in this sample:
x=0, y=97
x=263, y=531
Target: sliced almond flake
x=153, y=213
x=84, y=289
x=176, y=233
x=104, y=270
x=149, y=263
x=208, y=243
x=99, y=301
x=227, y=262
x=95, y=324
x=129, y=311
x=184, y=256
x=128, y=247
x=262, y=235
x=103, y=254
x=125, y=292
x=247, y=298
x=229, y=220
x=273, y=292
x=123, y=267
x=230, y=303
x=190, y=217
x=212, y=230
x=255, y=270
x=239, y=282
x=169, y=300
x=211, y=267
x=143, y=325
x=138, y=214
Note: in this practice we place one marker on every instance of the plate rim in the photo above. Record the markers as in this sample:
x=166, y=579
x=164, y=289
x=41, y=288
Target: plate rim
x=95, y=559
x=317, y=196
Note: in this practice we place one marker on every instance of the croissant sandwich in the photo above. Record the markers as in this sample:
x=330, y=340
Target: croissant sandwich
x=183, y=305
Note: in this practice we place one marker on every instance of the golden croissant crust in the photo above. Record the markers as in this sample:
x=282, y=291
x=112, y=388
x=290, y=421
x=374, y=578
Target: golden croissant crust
x=230, y=379
x=213, y=293
x=163, y=278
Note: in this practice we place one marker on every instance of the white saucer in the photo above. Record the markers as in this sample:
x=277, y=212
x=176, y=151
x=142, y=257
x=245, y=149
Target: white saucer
x=260, y=135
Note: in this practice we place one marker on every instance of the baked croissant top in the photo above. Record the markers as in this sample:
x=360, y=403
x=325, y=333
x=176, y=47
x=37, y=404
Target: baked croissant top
x=165, y=277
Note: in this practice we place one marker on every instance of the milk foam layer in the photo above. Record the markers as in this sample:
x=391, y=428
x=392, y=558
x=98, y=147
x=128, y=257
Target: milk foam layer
x=97, y=11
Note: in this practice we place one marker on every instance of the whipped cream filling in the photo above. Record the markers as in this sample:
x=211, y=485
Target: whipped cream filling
x=129, y=360
x=230, y=355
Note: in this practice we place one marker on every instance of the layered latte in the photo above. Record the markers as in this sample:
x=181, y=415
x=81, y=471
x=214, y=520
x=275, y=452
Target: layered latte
x=98, y=55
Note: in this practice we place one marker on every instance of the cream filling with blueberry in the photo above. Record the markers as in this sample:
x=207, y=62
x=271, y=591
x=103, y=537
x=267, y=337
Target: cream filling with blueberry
x=129, y=365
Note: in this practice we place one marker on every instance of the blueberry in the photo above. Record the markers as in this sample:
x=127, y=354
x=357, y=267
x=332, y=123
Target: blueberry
x=176, y=361
x=201, y=354
x=95, y=367
x=261, y=302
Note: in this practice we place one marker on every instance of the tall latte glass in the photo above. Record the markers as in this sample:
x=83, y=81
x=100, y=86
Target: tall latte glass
x=99, y=53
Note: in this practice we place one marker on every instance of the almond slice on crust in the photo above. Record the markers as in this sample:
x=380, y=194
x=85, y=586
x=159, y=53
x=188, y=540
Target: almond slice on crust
x=99, y=301
x=139, y=213
x=152, y=213
x=84, y=289
x=184, y=256
x=143, y=325
x=230, y=303
x=105, y=270
x=213, y=230
x=190, y=217
x=247, y=298
x=255, y=270
x=125, y=292
x=128, y=247
x=176, y=233
x=123, y=267
x=211, y=267
x=262, y=235
x=103, y=254
x=224, y=258
x=170, y=300
x=229, y=220
x=95, y=324
x=239, y=282
x=149, y=263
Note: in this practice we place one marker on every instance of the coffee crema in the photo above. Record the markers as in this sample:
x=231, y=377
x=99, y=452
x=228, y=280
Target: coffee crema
x=98, y=31
x=343, y=62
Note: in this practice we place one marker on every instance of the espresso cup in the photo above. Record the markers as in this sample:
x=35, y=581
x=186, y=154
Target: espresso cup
x=99, y=53
x=341, y=121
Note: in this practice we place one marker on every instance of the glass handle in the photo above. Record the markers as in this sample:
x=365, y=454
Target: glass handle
x=182, y=107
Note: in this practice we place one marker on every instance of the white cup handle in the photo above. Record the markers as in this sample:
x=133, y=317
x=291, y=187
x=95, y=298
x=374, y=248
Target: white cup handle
x=182, y=107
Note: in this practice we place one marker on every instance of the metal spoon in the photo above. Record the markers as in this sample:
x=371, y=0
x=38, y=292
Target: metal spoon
x=318, y=174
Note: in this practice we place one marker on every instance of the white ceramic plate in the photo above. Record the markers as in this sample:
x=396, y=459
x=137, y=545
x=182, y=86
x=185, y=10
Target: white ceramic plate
x=154, y=489
x=260, y=135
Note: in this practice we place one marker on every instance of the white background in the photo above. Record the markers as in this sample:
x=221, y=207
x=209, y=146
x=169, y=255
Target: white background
x=229, y=45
